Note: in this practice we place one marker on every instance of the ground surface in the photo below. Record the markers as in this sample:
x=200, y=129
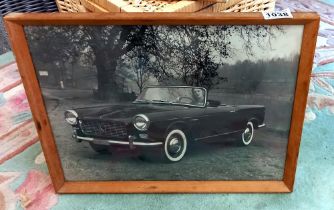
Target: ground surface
x=262, y=160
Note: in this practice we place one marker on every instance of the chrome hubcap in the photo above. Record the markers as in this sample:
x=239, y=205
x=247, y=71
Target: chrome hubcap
x=174, y=146
x=247, y=134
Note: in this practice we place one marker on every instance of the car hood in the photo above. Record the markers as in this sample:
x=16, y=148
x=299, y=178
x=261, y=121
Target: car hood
x=124, y=111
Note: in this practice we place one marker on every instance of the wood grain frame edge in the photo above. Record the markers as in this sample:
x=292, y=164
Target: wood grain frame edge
x=169, y=187
x=153, y=18
x=26, y=68
x=301, y=93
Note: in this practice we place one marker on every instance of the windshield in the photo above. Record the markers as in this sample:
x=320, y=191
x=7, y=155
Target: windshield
x=173, y=95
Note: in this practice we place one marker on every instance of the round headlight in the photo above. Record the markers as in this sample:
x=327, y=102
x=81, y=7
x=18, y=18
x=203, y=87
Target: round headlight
x=71, y=117
x=141, y=122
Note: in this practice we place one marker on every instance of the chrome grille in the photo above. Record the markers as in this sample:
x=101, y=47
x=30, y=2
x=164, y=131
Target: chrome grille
x=105, y=129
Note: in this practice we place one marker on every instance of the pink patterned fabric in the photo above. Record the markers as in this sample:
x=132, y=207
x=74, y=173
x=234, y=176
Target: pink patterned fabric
x=17, y=140
x=36, y=192
x=17, y=130
x=9, y=77
x=7, y=196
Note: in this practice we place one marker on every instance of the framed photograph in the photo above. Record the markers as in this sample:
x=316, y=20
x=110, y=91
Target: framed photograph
x=167, y=103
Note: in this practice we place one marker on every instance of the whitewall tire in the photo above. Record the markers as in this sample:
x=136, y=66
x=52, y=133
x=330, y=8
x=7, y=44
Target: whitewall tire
x=248, y=134
x=175, y=146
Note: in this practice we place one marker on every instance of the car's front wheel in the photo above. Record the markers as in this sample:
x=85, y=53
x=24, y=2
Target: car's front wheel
x=99, y=148
x=175, y=146
x=248, y=134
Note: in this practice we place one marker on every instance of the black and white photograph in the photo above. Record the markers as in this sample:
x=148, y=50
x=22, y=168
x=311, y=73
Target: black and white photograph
x=168, y=102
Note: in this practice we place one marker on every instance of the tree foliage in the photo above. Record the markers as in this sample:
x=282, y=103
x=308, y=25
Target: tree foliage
x=187, y=55
x=100, y=46
x=192, y=55
x=245, y=77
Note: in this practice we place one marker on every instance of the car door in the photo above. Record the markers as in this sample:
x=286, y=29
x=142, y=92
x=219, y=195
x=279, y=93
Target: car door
x=235, y=119
x=219, y=119
x=197, y=120
x=222, y=119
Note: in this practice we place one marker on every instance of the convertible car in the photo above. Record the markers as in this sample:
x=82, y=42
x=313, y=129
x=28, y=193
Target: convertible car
x=169, y=117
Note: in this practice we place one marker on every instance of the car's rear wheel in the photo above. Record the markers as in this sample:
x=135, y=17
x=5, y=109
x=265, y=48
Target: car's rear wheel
x=175, y=145
x=99, y=148
x=248, y=134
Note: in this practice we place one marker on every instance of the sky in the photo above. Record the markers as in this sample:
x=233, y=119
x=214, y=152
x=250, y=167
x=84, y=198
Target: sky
x=284, y=46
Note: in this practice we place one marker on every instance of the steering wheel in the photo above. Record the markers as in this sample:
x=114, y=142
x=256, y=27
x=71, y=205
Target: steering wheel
x=185, y=99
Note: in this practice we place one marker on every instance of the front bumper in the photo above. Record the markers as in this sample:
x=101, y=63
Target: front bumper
x=131, y=142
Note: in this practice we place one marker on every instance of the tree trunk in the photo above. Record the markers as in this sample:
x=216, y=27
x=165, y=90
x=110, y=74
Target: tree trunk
x=106, y=77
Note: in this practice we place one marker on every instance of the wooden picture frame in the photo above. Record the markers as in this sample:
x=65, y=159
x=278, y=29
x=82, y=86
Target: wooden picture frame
x=15, y=24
